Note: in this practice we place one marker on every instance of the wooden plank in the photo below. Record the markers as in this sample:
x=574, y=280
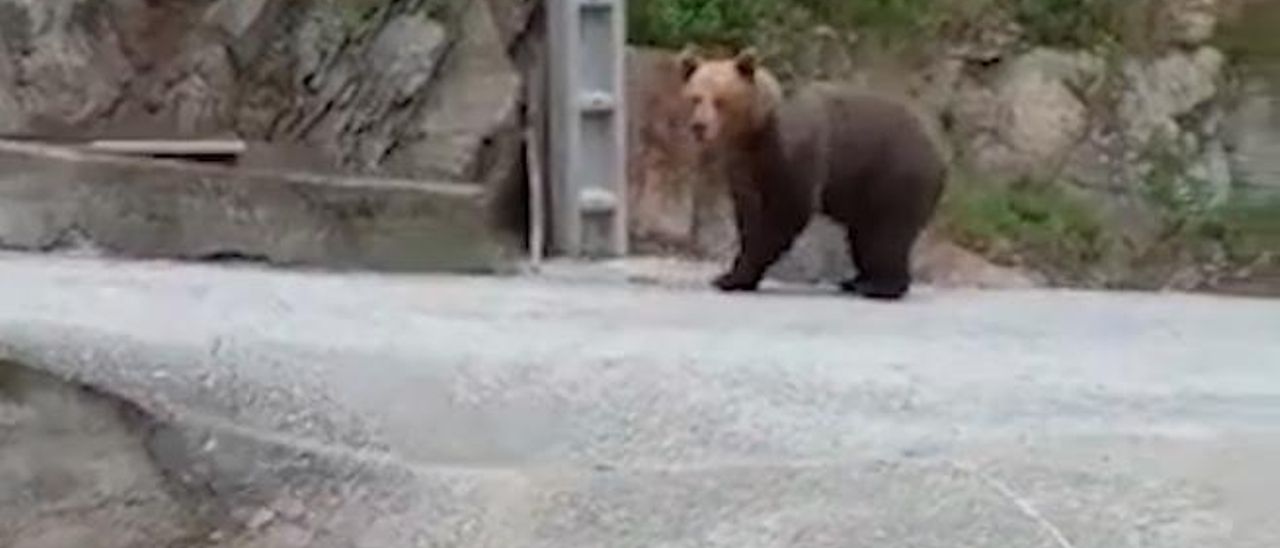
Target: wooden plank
x=537, y=211
x=169, y=147
x=43, y=138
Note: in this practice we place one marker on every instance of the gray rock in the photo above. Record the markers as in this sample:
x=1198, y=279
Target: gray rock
x=196, y=97
x=477, y=99
x=237, y=17
x=408, y=50
x=400, y=63
x=1031, y=118
x=1253, y=127
x=513, y=17
x=1160, y=91
x=350, y=82
x=63, y=71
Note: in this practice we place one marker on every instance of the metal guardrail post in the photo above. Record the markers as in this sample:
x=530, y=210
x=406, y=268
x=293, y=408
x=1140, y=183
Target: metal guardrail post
x=587, y=152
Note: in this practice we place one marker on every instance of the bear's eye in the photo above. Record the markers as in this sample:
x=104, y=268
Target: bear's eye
x=696, y=100
x=719, y=103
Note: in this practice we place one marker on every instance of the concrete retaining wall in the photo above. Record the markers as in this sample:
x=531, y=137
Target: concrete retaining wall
x=59, y=199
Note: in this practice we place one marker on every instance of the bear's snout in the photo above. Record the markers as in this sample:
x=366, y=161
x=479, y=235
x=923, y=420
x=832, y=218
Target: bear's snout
x=699, y=129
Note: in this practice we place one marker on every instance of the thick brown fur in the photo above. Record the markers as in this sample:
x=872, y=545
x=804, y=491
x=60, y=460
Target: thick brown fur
x=863, y=160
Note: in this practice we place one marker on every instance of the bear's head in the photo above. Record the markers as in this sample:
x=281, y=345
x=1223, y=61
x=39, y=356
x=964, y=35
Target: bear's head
x=730, y=99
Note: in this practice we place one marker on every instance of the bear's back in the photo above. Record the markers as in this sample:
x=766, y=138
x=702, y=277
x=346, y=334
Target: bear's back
x=862, y=133
x=859, y=149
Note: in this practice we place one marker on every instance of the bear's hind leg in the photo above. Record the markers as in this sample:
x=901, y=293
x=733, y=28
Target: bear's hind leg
x=882, y=256
x=851, y=285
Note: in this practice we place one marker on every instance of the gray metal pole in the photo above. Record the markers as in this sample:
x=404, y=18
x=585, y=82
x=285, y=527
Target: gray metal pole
x=587, y=149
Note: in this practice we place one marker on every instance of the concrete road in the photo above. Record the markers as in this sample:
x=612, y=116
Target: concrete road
x=578, y=411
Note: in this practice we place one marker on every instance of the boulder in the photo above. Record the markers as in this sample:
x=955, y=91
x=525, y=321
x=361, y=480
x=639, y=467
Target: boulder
x=1159, y=92
x=1029, y=118
x=476, y=98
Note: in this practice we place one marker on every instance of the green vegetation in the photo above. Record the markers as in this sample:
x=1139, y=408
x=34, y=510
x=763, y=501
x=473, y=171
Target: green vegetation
x=737, y=23
x=1047, y=227
x=1234, y=233
x=1025, y=223
x=888, y=17
x=674, y=23
x=1088, y=23
x=734, y=23
x=1181, y=202
x=1253, y=228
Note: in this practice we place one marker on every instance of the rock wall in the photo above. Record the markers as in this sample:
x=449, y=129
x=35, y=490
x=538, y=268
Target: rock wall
x=410, y=88
x=1254, y=126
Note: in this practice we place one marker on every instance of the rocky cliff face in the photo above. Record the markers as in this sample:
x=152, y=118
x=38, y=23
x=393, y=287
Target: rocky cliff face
x=416, y=88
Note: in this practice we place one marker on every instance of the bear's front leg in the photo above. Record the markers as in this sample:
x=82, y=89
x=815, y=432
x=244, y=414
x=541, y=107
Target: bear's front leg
x=736, y=279
x=761, y=245
x=747, y=218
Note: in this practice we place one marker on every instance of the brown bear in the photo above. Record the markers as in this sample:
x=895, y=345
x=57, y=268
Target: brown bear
x=863, y=160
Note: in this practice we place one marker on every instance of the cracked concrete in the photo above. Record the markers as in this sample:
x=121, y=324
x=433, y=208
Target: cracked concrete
x=574, y=410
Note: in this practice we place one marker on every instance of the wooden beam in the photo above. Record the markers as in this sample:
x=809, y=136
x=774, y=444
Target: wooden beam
x=198, y=149
x=170, y=147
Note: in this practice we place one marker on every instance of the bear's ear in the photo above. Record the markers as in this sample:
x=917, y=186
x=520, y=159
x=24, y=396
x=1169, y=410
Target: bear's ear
x=689, y=60
x=746, y=62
